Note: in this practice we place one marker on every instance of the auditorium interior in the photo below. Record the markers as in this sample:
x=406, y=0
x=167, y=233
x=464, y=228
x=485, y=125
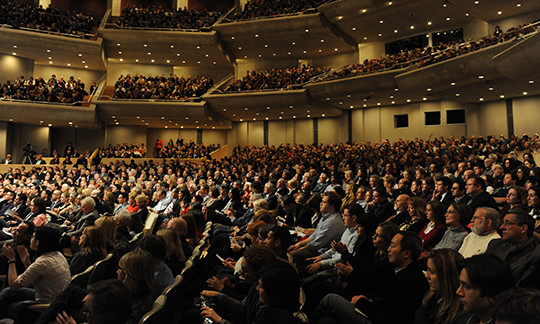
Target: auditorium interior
x=490, y=90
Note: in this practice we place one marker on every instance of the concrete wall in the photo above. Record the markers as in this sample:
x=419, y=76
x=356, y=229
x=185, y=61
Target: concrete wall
x=370, y=50
x=125, y=134
x=114, y=70
x=39, y=136
x=334, y=61
x=526, y=115
x=13, y=67
x=214, y=137
x=83, y=139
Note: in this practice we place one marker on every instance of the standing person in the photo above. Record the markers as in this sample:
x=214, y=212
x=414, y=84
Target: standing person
x=441, y=304
x=48, y=274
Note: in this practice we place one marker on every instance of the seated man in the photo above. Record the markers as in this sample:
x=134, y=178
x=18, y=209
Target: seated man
x=483, y=277
x=328, y=229
x=484, y=226
x=518, y=248
x=398, y=305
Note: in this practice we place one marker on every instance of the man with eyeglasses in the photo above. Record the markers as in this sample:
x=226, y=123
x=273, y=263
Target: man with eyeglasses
x=476, y=190
x=484, y=226
x=518, y=248
x=458, y=193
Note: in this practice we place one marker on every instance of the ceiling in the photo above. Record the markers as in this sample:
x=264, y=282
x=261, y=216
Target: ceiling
x=338, y=28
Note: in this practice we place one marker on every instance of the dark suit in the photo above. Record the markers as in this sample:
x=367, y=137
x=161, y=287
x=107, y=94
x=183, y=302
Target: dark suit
x=272, y=201
x=483, y=199
x=400, y=218
x=84, y=221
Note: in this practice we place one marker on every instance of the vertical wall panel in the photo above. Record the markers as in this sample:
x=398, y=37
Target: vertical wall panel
x=303, y=131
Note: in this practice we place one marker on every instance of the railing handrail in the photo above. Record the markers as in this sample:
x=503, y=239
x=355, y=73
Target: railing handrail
x=76, y=103
x=49, y=32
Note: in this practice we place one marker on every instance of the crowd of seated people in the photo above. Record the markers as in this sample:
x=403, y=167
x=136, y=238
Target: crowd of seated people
x=276, y=78
x=421, y=57
x=181, y=149
x=20, y=15
x=124, y=150
x=170, y=19
x=366, y=210
x=54, y=90
x=266, y=8
x=173, y=87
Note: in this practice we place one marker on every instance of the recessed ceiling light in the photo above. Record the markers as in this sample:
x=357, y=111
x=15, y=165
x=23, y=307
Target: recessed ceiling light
x=239, y=47
x=177, y=54
x=339, y=17
x=322, y=40
x=14, y=53
x=351, y=106
x=408, y=100
x=395, y=31
x=499, y=12
x=518, y=5
x=354, y=28
x=120, y=53
x=145, y=45
x=198, y=47
x=453, y=84
x=393, y=102
x=365, y=105
x=256, y=35
x=481, y=99
x=480, y=77
x=447, y=18
x=48, y=51
x=50, y=62
x=149, y=53
x=501, y=96
x=68, y=64
x=424, y=98
x=168, y=61
x=136, y=60
x=50, y=125
x=152, y=60
x=476, y=2
x=380, y=35
x=14, y=46
x=524, y=93
x=307, y=30
x=490, y=88
x=531, y=81
x=412, y=27
x=121, y=60
x=381, y=21
x=457, y=94
x=83, y=62
x=241, y=119
x=80, y=54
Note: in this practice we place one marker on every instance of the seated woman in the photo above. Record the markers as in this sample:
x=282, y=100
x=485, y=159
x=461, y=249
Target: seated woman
x=92, y=250
x=457, y=217
x=434, y=230
x=48, y=274
x=174, y=258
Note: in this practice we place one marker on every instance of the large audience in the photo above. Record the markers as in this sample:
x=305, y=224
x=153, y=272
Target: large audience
x=421, y=57
x=288, y=78
x=167, y=19
x=173, y=87
x=265, y=8
x=54, y=90
x=19, y=15
x=357, y=223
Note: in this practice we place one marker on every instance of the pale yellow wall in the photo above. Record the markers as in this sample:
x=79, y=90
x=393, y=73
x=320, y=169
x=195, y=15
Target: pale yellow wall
x=3, y=139
x=277, y=132
x=527, y=115
x=256, y=133
x=370, y=50
x=507, y=23
x=303, y=131
x=357, y=125
x=114, y=70
x=371, y=124
x=242, y=137
x=476, y=29
x=214, y=137
x=330, y=130
x=125, y=134
x=487, y=118
x=86, y=76
x=13, y=67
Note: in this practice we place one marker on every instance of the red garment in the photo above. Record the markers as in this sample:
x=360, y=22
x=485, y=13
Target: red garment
x=433, y=237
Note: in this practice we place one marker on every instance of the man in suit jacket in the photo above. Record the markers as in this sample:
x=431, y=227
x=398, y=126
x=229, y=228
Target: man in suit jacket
x=476, y=190
x=90, y=214
x=442, y=191
x=270, y=195
x=399, y=304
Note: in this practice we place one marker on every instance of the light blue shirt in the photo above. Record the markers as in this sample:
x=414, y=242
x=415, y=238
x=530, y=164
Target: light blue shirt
x=331, y=256
x=328, y=229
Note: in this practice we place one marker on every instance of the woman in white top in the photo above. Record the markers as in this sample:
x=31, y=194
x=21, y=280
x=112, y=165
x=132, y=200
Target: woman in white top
x=48, y=274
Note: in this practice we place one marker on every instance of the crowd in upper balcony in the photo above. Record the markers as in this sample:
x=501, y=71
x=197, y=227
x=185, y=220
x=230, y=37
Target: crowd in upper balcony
x=172, y=87
x=269, y=8
x=156, y=17
x=20, y=15
x=182, y=149
x=287, y=78
x=429, y=55
x=54, y=90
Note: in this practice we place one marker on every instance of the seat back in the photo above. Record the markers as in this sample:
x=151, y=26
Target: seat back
x=102, y=269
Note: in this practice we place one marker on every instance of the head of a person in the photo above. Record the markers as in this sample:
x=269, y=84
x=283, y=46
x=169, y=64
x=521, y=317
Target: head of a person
x=533, y=198
x=278, y=240
x=401, y=203
x=352, y=213
x=458, y=189
x=404, y=248
x=485, y=220
x=330, y=203
x=255, y=258
x=417, y=208
x=88, y=204
x=23, y=233
x=38, y=206
x=279, y=286
x=108, y=302
x=517, y=226
x=179, y=225
x=383, y=236
x=45, y=239
x=435, y=212
x=155, y=245
x=92, y=241
x=136, y=271
x=443, y=269
x=379, y=195
x=173, y=243
x=475, y=185
x=516, y=306
x=482, y=278
x=107, y=226
x=458, y=215
x=516, y=196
